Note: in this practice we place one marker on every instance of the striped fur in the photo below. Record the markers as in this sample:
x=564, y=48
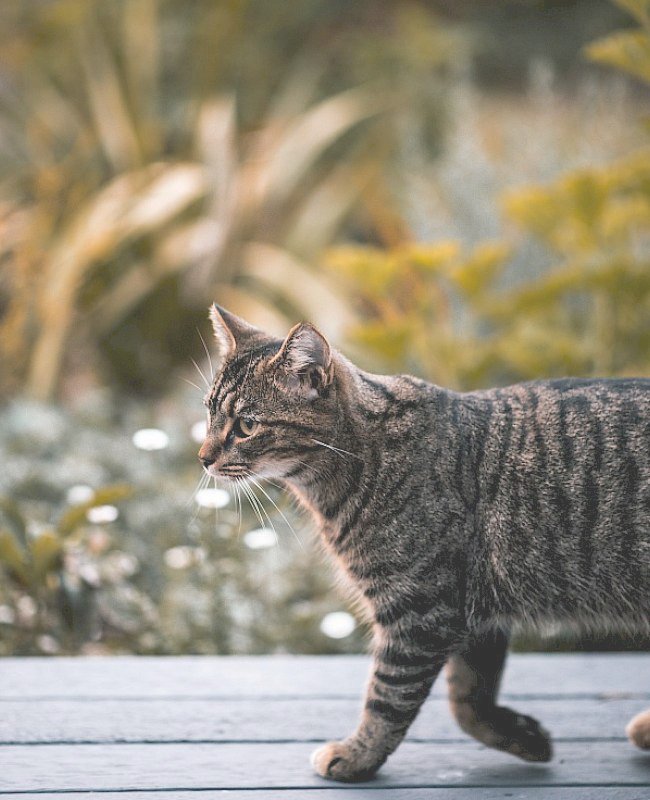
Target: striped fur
x=454, y=516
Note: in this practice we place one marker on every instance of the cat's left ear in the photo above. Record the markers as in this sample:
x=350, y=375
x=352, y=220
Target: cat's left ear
x=305, y=359
x=232, y=333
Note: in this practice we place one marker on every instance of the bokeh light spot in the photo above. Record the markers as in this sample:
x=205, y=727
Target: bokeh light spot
x=100, y=515
x=338, y=624
x=212, y=498
x=260, y=538
x=150, y=439
x=76, y=495
x=199, y=431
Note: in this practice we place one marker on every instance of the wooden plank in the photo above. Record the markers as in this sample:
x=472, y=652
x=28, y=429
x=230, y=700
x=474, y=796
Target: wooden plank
x=298, y=676
x=299, y=720
x=178, y=767
x=375, y=793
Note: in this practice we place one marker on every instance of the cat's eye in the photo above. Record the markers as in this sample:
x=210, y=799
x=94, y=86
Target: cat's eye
x=244, y=427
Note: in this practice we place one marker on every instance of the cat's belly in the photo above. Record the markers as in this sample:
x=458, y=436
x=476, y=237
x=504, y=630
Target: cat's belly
x=609, y=599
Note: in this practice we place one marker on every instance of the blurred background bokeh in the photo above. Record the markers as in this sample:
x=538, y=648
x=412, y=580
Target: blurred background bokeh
x=454, y=188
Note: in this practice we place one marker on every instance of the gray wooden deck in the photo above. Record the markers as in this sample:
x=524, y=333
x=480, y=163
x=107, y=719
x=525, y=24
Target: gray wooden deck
x=244, y=727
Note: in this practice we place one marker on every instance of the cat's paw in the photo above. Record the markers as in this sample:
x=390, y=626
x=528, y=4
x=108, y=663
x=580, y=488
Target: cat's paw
x=638, y=730
x=526, y=739
x=340, y=761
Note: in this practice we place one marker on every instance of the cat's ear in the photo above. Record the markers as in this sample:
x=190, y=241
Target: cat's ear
x=231, y=332
x=305, y=359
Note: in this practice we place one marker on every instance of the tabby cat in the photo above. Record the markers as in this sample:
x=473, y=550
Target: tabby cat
x=455, y=516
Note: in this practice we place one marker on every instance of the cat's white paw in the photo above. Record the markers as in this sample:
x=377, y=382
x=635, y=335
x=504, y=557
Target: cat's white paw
x=638, y=730
x=338, y=761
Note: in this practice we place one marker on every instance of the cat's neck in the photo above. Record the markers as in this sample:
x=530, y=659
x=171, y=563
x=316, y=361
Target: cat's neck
x=342, y=466
x=332, y=472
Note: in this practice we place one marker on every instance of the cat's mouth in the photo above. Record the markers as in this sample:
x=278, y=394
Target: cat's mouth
x=233, y=471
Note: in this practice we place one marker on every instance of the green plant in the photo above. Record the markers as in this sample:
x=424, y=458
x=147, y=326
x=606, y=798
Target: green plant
x=138, y=182
x=32, y=559
x=108, y=202
x=423, y=308
x=468, y=321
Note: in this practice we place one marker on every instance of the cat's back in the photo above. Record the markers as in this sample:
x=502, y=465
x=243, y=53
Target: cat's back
x=564, y=500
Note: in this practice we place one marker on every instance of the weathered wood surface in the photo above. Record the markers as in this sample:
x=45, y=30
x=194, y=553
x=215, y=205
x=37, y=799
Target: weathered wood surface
x=214, y=721
x=244, y=727
x=293, y=676
x=361, y=793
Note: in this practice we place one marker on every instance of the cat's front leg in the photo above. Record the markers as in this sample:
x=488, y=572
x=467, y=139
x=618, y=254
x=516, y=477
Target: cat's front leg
x=401, y=679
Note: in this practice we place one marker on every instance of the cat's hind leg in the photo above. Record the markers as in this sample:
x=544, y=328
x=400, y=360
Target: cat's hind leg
x=474, y=675
x=638, y=730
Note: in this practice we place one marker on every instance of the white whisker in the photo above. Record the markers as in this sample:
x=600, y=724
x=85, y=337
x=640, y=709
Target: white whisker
x=336, y=449
x=191, y=383
x=238, y=504
x=278, y=509
x=263, y=509
x=203, y=480
x=252, y=500
x=216, y=508
x=207, y=352
x=200, y=371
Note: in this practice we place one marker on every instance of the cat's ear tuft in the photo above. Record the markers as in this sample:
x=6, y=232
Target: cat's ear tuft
x=231, y=332
x=306, y=360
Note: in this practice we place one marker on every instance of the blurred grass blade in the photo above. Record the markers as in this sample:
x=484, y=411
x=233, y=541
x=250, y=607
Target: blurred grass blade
x=286, y=156
x=45, y=552
x=626, y=50
x=639, y=9
x=131, y=205
x=279, y=274
x=13, y=557
x=142, y=44
x=76, y=515
x=14, y=518
x=106, y=98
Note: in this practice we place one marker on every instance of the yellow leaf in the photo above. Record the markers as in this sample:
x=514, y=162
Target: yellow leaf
x=13, y=557
x=45, y=551
x=626, y=50
x=473, y=275
x=639, y=9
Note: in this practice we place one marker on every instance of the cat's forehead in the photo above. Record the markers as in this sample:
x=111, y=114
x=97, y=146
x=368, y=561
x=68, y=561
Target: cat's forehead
x=241, y=378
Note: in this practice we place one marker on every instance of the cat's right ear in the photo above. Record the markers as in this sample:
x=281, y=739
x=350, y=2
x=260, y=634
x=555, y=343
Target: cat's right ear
x=305, y=361
x=231, y=332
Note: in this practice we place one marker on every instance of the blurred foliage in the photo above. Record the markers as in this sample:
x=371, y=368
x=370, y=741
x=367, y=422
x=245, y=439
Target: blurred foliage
x=411, y=300
x=137, y=183
x=158, y=154
x=35, y=561
x=627, y=50
x=161, y=573
x=459, y=319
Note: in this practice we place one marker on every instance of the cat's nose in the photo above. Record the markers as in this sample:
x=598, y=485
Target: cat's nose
x=207, y=455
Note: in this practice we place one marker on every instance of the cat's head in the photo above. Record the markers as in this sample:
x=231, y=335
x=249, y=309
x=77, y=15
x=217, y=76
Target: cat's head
x=271, y=400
